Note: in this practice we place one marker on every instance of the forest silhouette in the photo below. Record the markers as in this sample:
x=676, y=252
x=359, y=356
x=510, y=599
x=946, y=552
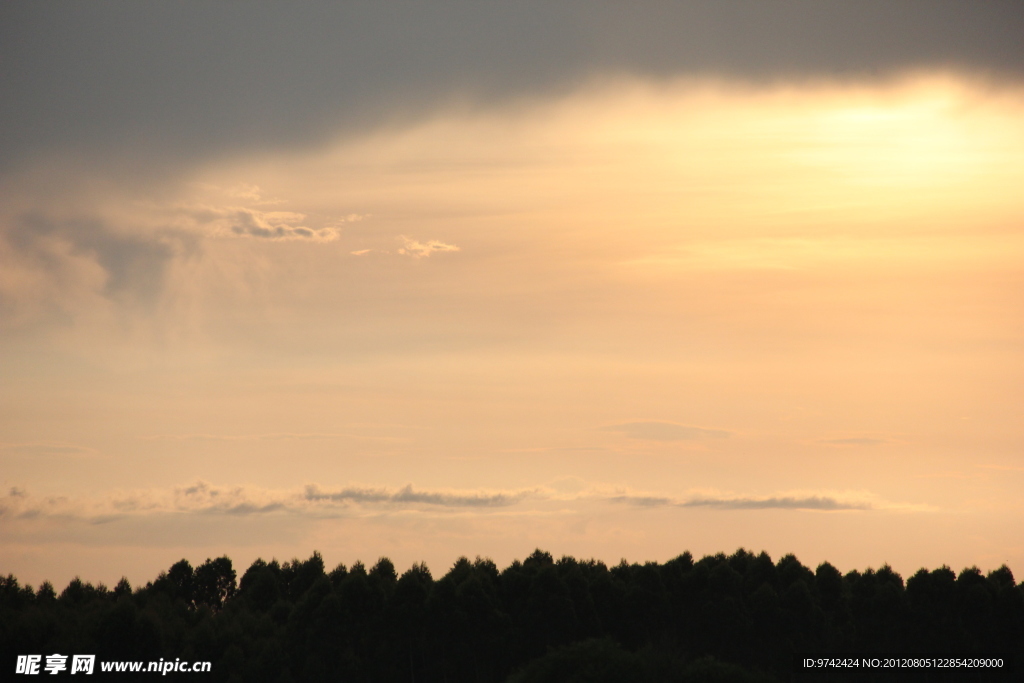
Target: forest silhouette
x=741, y=617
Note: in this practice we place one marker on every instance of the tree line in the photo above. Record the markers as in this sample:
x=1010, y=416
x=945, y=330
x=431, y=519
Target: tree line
x=739, y=617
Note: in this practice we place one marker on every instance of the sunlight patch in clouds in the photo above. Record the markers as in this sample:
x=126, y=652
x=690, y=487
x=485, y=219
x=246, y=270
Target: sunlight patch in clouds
x=615, y=184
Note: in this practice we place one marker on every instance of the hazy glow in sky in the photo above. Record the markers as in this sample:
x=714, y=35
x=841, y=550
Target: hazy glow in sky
x=633, y=319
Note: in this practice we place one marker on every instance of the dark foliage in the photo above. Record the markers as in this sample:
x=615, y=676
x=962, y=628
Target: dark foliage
x=722, y=618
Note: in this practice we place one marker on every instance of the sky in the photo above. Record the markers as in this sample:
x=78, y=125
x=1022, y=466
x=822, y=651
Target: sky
x=431, y=280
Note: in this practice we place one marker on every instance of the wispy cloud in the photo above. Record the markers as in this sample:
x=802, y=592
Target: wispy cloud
x=67, y=264
x=417, y=249
x=246, y=192
x=351, y=218
x=656, y=430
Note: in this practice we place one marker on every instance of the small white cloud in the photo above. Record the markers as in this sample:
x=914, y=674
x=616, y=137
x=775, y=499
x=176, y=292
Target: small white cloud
x=276, y=225
x=238, y=221
x=417, y=249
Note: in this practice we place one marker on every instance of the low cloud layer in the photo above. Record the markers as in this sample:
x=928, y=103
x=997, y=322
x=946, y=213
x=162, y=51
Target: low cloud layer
x=206, y=498
x=314, y=501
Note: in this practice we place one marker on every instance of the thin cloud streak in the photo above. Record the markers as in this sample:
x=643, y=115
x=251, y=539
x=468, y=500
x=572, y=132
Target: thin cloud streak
x=856, y=441
x=273, y=436
x=654, y=430
x=47, y=448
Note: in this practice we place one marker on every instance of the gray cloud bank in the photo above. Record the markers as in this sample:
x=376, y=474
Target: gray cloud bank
x=781, y=503
x=178, y=82
x=205, y=498
x=409, y=495
x=826, y=503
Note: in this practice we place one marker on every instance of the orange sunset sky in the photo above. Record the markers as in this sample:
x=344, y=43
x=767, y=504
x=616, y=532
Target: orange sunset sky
x=470, y=281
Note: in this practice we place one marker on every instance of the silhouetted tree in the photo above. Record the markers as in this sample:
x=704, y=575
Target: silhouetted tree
x=721, y=618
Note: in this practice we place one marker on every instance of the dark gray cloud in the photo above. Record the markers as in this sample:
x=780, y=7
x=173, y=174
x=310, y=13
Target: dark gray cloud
x=654, y=430
x=179, y=81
